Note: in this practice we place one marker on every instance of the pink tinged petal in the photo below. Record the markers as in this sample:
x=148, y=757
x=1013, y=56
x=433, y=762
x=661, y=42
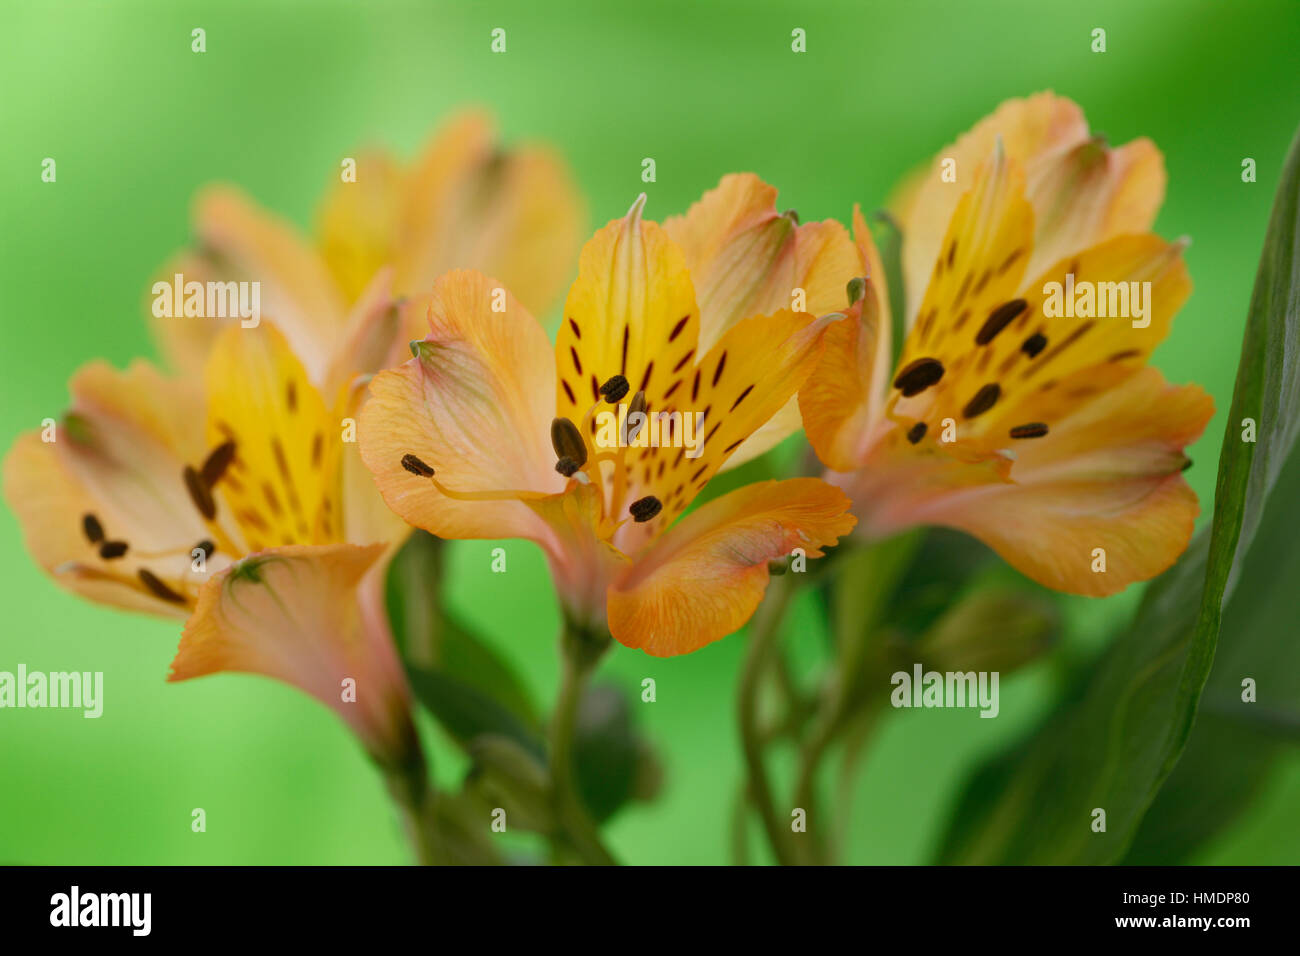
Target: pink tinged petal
x=301, y=615
x=475, y=406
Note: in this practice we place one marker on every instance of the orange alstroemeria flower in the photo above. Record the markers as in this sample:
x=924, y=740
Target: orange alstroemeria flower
x=1022, y=409
x=464, y=202
x=232, y=495
x=492, y=432
x=235, y=504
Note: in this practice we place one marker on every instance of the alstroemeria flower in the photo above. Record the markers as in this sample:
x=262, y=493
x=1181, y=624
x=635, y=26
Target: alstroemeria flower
x=1033, y=424
x=462, y=203
x=232, y=504
x=492, y=432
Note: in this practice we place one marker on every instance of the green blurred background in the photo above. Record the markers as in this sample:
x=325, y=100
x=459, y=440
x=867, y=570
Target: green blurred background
x=137, y=123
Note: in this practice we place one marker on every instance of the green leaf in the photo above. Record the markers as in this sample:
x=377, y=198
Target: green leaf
x=432, y=641
x=1113, y=746
x=466, y=712
x=1235, y=743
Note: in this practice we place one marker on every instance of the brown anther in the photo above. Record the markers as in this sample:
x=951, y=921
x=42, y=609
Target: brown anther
x=916, y=432
x=112, y=549
x=643, y=509
x=567, y=467
x=567, y=441
x=918, y=376
x=200, y=493
x=207, y=547
x=416, y=467
x=1032, y=430
x=94, y=530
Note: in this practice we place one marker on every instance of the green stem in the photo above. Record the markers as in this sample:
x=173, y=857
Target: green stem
x=762, y=641
x=580, y=651
x=408, y=784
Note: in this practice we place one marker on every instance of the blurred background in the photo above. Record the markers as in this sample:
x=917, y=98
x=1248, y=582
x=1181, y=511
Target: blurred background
x=137, y=122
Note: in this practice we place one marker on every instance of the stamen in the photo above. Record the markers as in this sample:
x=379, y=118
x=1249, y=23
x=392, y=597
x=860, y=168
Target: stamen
x=614, y=389
x=916, y=432
x=200, y=493
x=984, y=399
x=207, y=547
x=918, y=376
x=567, y=467
x=94, y=530
x=112, y=549
x=1032, y=430
x=158, y=588
x=643, y=509
x=215, y=465
x=567, y=441
x=999, y=319
x=416, y=467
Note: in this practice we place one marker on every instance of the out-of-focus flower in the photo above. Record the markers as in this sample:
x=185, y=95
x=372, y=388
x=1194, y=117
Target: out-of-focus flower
x=464, y=202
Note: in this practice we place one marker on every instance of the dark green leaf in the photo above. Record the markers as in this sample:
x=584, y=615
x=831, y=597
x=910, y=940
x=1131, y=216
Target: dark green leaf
x=614, y=765
x=431, y=639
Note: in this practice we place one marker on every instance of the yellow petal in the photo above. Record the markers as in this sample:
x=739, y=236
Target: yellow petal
x=298, y=292
x=747, y=377
x=630, y=312
x=704, y=578
x=296, y=615
x=359, y=225
x=283, y=485
x=475, y=406
x=1042, y=125
x=514, y=214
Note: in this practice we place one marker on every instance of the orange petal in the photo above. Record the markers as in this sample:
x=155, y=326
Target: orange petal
x=582, y=563
x=475, y=405
x=1104, y=477
x=515, y=214
x=297, y=290
x=118, y=455
x=746, y=259
x=1090, y=193
x=703, y=579
x=1082, y=191
x=184, y=340
x=844, y=397
x=295, y=614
